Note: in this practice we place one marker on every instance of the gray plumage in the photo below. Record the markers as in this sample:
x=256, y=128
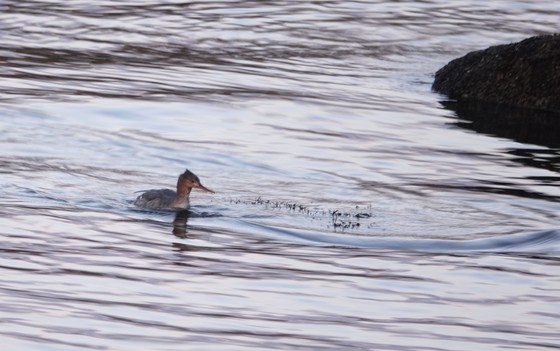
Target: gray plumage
x=157, y=198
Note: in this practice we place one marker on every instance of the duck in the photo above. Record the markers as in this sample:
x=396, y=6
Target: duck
x=167, y=198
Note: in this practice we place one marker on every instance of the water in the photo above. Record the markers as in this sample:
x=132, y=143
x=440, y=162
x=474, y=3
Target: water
x=355, y=208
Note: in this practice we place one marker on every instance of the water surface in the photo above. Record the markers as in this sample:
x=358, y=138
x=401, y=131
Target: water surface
x=355, y=208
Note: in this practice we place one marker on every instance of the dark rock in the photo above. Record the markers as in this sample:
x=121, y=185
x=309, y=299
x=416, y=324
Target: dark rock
x=524, y=74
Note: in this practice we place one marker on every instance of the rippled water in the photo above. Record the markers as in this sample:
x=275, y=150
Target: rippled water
x=355, y=208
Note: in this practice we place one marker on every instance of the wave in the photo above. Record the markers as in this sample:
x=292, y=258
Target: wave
x=547, y=241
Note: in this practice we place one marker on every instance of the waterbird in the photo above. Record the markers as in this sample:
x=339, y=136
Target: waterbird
x=167, y=198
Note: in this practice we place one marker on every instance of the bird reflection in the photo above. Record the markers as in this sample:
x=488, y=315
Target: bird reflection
x=180, y=223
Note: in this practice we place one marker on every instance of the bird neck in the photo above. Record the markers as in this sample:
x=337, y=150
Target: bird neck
x=183, y=192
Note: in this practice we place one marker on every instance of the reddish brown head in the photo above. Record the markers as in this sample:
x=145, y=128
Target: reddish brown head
x=189, y=180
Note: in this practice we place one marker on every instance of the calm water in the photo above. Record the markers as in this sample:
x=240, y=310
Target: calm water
x=355, y=209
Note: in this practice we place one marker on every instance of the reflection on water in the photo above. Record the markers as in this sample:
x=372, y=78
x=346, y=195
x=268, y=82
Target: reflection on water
x=350, y=213
x=521, y=125
x=180, y=223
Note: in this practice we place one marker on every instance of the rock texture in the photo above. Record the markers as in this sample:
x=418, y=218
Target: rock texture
x=524, y=74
